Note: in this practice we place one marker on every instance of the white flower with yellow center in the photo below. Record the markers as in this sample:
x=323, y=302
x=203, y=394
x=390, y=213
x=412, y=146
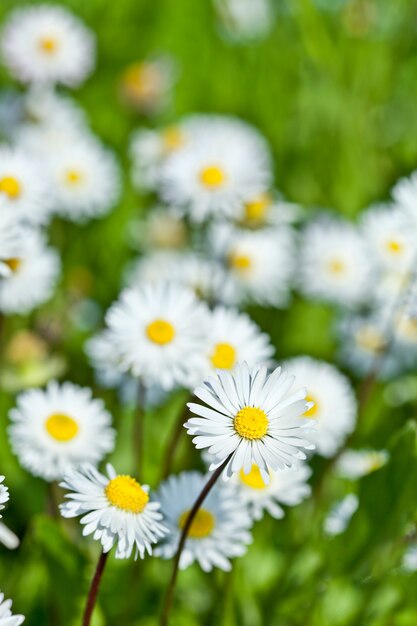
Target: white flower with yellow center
x=286, y=487
x=235, y=338
x=251, y=417
x=389, y=237
x=219, y=531
x=159, y=333
x=6, y=616
x=335, y=264
x=24, y=187
x=146, y=85
x=333, y=402
x=116, y=510
x=225, y=162
x=47, y=44
x=11, y=239
x=265, y=209
x=31, y=277
x=58, y=428
x=354, y=464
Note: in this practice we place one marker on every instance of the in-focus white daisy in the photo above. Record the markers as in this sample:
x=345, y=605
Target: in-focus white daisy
x=32, y=276
x=6, y=616
x=340, y=515
x=335, y=264
x=333, y=402
x=159, y=333
x=226, y=162
x=286, y=487
x=115, y=509
x=219, y=531
x=11, y=239
x=404, y=194
x=4, y=494
x=354, y=464
x=47, y=44
x=58, y=428
x=24, y=188
x=252, y=417
x=242, y=20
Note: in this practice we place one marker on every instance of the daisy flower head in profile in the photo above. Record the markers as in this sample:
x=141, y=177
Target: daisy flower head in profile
x=225, y=162
x=336, y=266
x=6, y=616
x=219, y=531
x=250, y=416
x=31, y=277
x=159, y=333
x=11, y=239
x=115, y=509
x=47, y=44
x=354, y=464
x=147, y=85
x=333, y=402
x=57, y=428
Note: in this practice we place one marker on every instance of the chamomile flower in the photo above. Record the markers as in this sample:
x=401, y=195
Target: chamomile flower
x=286, y=487
x=47, y=44
x=162, y=229
x=264, y=210
x=226, y=162
x=235, y=338
x=45, y=108
x=116, y=510
x=335, y=265
x=354, y=464
x=24, y=188
x=58, y=428
x=219, y=531
x=404, y=194
x=251, y=417
x=32, y=277
x=243, y=20
x=4, y=494
x=6, y=616
x=100, y=350
x=333, y=402
x=159, y=333
x=340, y=515
x=11, y=239
x=146, y=85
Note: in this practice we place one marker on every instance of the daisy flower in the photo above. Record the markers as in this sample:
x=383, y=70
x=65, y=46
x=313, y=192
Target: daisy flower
x=265, y=210
x=243, y=20
x=251, y=417
x=6, y=616
x=4, y=494
x=11, y=239
x=404, y=194
x=45, y=108
x=333, y=402
x=288, y=487
x=147, y=85
x=219, y=531
x=354, y=464
x=58, y=428
x=159, y=333
x=115, y=509
x=7, y=537
x=335, y=264
x=47, y=44
x=162, y=228
x=226, y=162
x=340, y=515
x=32, y=277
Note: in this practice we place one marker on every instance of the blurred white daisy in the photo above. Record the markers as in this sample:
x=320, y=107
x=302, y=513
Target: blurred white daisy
x=24, y=188
x=409, y=561
x=159, y=333
x=32, y=276
x=162, y=229
x=243, y=20
x=335, y=264
x=47, y=44
x=340, y=515
x=226, y=162
x=7, y=537
x=354, y=464
x=6, y=616
x=265, y=209
x=4, y=494
x=405, y=195
x=11, y=239
x=100, y=350
x=251, y=417
x=45, y=108
x=115, y=509
x=286, y=487
x=219, y=531
x=147, y=85
x=333, y=402
x=58, y=428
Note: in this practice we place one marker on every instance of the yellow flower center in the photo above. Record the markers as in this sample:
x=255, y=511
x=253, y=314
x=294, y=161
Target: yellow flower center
x=312, y=411
x=125, y=493
x=172, y=138
x=61, y=427
x=212, y=176
x=394, y=247
x=73, y=177
x=223, y=356
x=201, y=526
x=336, y=266
x=251, y=423
x=160, y=331
x=49, y=45
x=13, y=264
x=10, y=186
x=240, y=262
x=407, y=326
x=254, y=479
x=256, y=209
x=370, y=339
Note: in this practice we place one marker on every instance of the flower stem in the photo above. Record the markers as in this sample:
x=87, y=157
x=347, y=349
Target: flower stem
x=196, y=506
x=139, y=430
x=95, y=584
x=173, y=441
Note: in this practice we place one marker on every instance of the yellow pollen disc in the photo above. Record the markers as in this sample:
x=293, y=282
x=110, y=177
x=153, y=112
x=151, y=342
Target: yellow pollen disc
x=212, y=176
x=370, y=339
x=202, y=525
x=48, y=45
x=61, y=427
x=73, y=177
x=172, y=138
x=223, y=356
x=125, y=493
x=251, y=423
x=13, y=264
x=407, y=326
x=336, y=266
x=254, y=479
x=10, y=186
x=161, y=332
x=240, y=262
x=312, y=412
x=256, y=210
x=395, y=247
